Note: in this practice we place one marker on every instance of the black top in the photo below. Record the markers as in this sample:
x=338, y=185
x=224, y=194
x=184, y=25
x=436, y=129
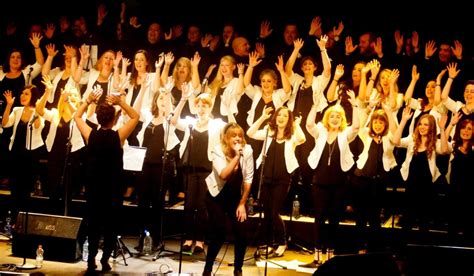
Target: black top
x=154, y=142
x=104, y=165
x=419, y=173
x=461, y=166
x=175, y=97
x=216, y=108
x=328, y=171
x=374, y=165
x=259, y=110
x=303, y=102
x=59, y=148
x=274, y=169
x=57, y=93
x=198, y=154
x=15, y=85
x=19, y=144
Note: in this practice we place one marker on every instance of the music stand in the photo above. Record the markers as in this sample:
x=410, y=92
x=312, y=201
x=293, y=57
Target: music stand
x=120, y=250
x=162, y=246
x=256, y=255
x=24, y=265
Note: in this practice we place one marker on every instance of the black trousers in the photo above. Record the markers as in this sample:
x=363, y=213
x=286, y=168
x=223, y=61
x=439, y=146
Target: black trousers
x=222, y=211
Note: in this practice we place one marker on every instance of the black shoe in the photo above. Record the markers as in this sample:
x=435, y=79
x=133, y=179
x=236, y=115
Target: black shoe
x=313, y=264
x=187, y=248
x=198, y=249
x=206, y=273
x=105, y=266
x=237, y=272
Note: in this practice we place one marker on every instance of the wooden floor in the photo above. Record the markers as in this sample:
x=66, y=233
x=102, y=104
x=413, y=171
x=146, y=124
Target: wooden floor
x=168, y=262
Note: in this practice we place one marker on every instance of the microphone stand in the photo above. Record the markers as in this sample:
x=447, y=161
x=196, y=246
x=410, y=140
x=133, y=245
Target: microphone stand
x=64, y=183
x=24, y=265
x=256, y=255
x=161, y=199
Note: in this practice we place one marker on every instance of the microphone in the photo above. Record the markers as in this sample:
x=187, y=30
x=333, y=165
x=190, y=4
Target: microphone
x=168, y=118
x=203, y=84
x=29, y=75
x=35, y=116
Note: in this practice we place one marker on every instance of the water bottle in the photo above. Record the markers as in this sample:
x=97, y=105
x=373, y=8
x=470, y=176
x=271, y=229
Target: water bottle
x=147, y=243
x=8, y=225
x=85, y=250
x=39, y=256
x=296, y=208
x=250, y=205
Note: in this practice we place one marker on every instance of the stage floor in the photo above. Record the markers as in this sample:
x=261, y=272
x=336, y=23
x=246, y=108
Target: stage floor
x=144, y=265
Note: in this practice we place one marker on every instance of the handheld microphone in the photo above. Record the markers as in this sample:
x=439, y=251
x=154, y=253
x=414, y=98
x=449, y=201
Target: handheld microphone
x=168, y=118
x=203, y=84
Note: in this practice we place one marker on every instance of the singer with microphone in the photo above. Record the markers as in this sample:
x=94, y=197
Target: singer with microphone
x=25, y=143
x=195, y=152
x=229, y=186
x=281, y=136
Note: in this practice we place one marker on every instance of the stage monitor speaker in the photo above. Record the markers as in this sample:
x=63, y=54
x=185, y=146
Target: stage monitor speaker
x=370, y=264
x=57, y=235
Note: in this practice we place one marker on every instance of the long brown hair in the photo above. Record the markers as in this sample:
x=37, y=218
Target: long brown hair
x=289, y=129
x=229, y=130
x=430, y=137
x=378, y=114
x=458, y=141
x=218, y=81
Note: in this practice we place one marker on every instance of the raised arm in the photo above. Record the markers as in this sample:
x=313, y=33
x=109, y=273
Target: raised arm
x=443, y=138
x=35, y=40
x=415, y=75
x=77, y=74
x=130, y=125
x=397, y=136
x=41, y=103
x=6, y=113
x=83, y=127
x=453, y=72
x=50, y=49
x=285, y=82
x=355, y=116
x=256, y=125
x=324, y=56
x=157, y=80
x=195, y=80
x=298, y=44
x=184, y=98
x=169, y=58
x=331, y=94
x=253, y=61
x=311, y=122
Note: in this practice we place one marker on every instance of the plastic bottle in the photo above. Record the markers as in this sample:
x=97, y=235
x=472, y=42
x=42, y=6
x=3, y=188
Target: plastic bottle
x=39, y=256
x=8, y=225
x=147, y=243
x=85, y=250
x=296, y=208
x=250, y=205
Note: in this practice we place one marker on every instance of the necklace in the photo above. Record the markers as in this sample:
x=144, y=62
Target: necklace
x=331, y=149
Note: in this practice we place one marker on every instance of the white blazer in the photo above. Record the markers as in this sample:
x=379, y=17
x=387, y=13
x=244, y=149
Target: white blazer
x=347, y=160
x=214, y=183
x=409, y=144
x=279, y=97
x=318, y=85
x=14, y=120
x=56, y=75
x=290, y=158
x=388, y=159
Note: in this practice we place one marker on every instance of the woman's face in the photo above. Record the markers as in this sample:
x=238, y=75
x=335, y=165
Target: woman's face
x=335, y=120
x=466, y=132
x=140, y=62
x=25, y=97
x=469, y=94
x=108, y=60
x=384, y=78
x=161, y=101
x=227, y=68
x=424, y=126
x=234, y=137
x=308, y=67
x=203, y=109
x=430, y=89
x=282, y=118
x=15, y=60
x=183, y=70
x=356, y=72
x=268, y=83
x=378, y=126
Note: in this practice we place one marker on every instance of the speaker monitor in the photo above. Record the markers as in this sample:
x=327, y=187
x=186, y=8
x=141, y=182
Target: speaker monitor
x=360, y=264
x=57, y=235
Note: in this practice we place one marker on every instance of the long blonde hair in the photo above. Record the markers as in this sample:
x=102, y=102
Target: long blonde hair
x=218, y=81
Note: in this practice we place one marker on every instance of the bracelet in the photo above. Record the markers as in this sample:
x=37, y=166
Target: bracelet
x=450, y=78
x=183, y=100
x=371, y=79
x=88, y=103
x=335, y=80
x=323, y=50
